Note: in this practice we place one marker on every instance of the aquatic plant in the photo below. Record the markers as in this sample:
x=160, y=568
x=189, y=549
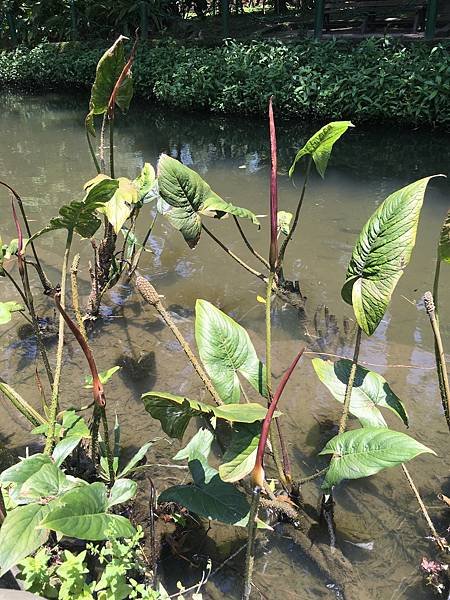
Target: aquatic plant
x=77, y=487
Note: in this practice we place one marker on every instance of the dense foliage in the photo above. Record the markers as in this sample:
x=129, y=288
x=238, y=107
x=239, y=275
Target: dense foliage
x=375, y=80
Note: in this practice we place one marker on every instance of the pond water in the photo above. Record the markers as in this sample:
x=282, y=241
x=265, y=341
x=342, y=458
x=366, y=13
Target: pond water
x=43, y=155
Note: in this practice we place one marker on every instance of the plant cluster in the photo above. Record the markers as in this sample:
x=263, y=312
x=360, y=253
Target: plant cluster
x=46, y=501
x=376, y=80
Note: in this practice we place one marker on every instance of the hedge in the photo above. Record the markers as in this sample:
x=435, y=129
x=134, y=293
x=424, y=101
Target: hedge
x=375, y=80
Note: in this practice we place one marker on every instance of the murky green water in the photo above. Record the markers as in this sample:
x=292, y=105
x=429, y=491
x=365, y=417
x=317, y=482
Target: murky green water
x=43, y=155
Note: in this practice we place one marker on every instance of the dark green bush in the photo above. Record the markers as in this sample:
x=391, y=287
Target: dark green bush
x=374, y=80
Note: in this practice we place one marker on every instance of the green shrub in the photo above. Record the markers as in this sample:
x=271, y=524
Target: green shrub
x=374, y=80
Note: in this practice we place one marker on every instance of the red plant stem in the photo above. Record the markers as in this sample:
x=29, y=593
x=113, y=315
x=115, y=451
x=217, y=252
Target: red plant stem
x=97, y=389
x=258, y=471
x=122, y=76
x=273, y=192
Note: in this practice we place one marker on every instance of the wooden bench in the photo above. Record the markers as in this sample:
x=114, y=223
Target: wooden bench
x=368, y=11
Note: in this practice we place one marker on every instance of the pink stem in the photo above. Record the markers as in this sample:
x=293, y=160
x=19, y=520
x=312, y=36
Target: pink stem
x=258, y=471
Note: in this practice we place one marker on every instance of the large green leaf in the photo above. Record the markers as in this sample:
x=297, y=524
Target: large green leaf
x=239, y=458
x=80, y=216
x=366, y=451
x=48, y=482
x=320, y=145
x=381, y=253
x=118, y=209
x=225, y=349
x=82, y=513
x=20, y=534
x=145, y=181
x=175, y=412
x=6, y=310
x=16, y=476
x=444, y=240
x=200, y=444
x=108, y=71
x=190, y=197
x=209, y=496
x=370, y=391
x=73, y=430
x=122, y=491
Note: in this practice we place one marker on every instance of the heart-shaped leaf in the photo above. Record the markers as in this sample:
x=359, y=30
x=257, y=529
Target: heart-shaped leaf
x=82, y=513
x=80, y=216
x=190, y=197
x=20, y=534
x=175, y=412
x=108, y=71
x=118, y=209
x=73, y=430
x=381, y=253
x=366, y=451
x=320, y=145
x=444, y=240
x=209, y=496
x=122, y=491
x=48, y=482
x=225, y=349
x=17, y=475
x=6, y=310
x=145, y=181
x=370, y=391
x=239, y=458
x=200, y=444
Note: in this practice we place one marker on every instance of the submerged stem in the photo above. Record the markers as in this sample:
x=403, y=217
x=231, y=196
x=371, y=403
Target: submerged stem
x=423, y=508
x=53, y=409
x=251, y=529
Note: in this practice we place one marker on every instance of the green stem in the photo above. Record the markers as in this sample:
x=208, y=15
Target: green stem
x=111, y=147
x=109, y=454
x=92, y=151
x=21, y=405
x=138, y=254
x=273, y=427
x=441, y=366
x=248, y=244
x=251, y=529
x=234, y=256
x=437, y=272
x=75, y=295
x=53, y=409
x=288, y=238
x=350, y=382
